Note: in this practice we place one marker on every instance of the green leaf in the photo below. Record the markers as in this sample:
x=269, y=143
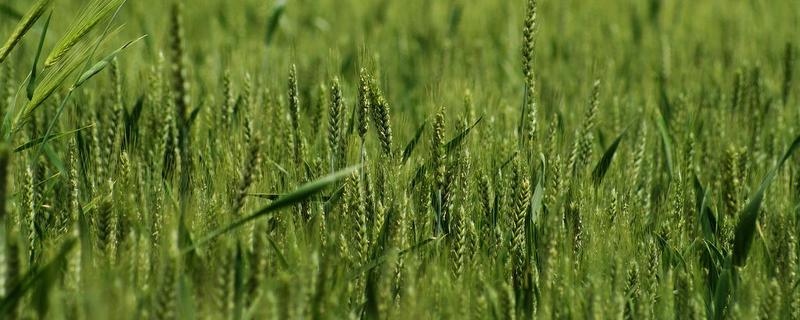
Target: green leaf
x=24, y=25
x=33, y=277
x=100, y=65
x=32, y=81
x=380, y=260
x=37, y=141
x=708, y=222
x=721, y=293
x=666, y=142
x=300, y=194
x=274, y=19
x=413, y=143
x=456, y=142
x=605, y=162
x=746, y=227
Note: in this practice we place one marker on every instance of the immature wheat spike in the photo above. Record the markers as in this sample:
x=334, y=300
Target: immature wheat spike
x=33, y=226
x=247, y=96
x=180, y=79
x=459, y=242
x=106, y=221
x=508, y=301
x=469, y=108
x=732, y=184
x=523, y=195
x=115, y=115
x=638, y=155
x=788, y=71
x=181, y=99
x=439, y=167
x=227, y=99
x=294, y=116
x=97, y=148
x=770, y=304
x=528, y=43
x=222, y=286
x=587, y=136
x=253, y=162
x=552, y=137
x=166, y=295
x=755, y=90
x=380, y=115
x=738, y=90
x=168, y=146
x=355, y=203
x=335, y=119
x=485, y=194
x=73, y=183
x=318, y=109
x=364, y=103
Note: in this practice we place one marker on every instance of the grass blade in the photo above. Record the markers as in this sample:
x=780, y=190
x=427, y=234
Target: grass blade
x=666, y=142
x=32, y=81
x=746, y=227
x=456, y=142
x=102, y=64
x=274, y=19
x=605, y=162
x=300, y=194
x=37, y=141
x=413, y=143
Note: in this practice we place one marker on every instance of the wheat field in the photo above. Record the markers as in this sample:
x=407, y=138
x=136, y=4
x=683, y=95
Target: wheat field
x=386, y=159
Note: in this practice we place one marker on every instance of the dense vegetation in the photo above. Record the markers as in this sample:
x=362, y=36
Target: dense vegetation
x=399, y=159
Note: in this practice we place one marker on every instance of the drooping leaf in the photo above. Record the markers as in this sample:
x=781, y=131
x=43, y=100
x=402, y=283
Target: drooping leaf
x=413, y=143
x=298, y=195
x=605, y=162
x=746, y=227
x=459, y=139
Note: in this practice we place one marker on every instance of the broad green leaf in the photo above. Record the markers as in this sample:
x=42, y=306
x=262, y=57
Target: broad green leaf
x=274, y=19
x=300, y=194
x=605, y=162
x=746, y=227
